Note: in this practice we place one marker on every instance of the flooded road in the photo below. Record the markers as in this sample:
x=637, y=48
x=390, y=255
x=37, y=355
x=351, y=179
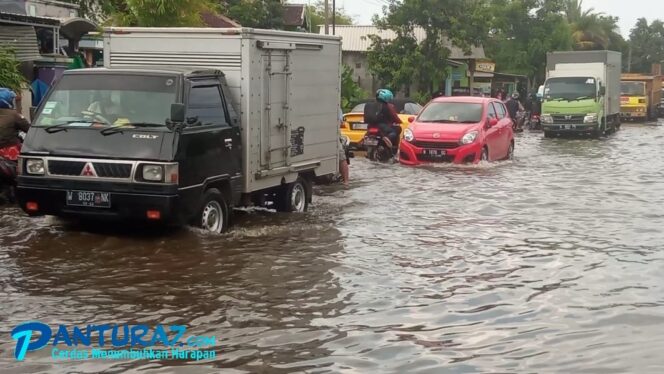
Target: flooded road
x=553, y=262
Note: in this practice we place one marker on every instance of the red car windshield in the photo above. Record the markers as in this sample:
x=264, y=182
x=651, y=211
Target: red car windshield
x=449, y=112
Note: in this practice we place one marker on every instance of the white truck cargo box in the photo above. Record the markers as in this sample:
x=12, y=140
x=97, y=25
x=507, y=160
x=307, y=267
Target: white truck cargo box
x=285, y=85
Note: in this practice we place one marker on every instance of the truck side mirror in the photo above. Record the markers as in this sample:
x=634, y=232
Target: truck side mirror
x=33, y=113
x=177, y=113
x=602, y=90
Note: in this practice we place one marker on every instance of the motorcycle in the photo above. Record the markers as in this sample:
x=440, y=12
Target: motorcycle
x=519, y=121
x=8, y=165
x=379, y=147
x=534, y=122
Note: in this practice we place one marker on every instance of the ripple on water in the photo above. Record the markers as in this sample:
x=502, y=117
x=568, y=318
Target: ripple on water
x=548, y=263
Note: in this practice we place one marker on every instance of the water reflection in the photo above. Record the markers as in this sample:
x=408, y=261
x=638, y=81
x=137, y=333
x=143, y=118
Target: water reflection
x=549, y=263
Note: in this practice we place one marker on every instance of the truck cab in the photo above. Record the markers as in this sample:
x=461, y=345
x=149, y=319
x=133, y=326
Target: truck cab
x=572, y=104
x=134, y=144
x=633, y=100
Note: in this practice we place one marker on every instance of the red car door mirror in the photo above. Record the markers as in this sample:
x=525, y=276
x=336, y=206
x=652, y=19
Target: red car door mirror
x=411, y=119
x=493, y=122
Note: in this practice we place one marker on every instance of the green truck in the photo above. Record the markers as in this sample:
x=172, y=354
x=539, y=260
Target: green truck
x=581, y=94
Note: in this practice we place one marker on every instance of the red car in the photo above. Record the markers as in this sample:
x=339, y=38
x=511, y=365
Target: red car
x=458, y=130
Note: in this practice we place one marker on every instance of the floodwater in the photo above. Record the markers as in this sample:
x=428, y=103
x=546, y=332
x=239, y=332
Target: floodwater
x=553, y=262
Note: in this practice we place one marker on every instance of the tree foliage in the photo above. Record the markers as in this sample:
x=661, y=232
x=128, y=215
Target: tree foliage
x=351, y=92
x=10, y=73
x=262, y=14
x=405, y=60
x=591, y=30
x=523, y=31
x=647, y=44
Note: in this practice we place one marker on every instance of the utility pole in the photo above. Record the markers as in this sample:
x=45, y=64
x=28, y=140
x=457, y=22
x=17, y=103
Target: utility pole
x=327, y=17
x=629, y=60
x=334, y=17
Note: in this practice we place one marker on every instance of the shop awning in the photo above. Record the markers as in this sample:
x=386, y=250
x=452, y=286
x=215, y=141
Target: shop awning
x=75, y=28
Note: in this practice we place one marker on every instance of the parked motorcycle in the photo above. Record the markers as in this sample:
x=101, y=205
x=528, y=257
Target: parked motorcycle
x=379, y=147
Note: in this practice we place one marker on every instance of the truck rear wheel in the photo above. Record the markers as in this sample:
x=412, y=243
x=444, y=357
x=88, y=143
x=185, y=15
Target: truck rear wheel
x=293, y=197
x=213, y=215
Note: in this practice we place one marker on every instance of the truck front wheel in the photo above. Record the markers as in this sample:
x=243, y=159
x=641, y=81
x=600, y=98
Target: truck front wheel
x=293, y=197
x=213, y=215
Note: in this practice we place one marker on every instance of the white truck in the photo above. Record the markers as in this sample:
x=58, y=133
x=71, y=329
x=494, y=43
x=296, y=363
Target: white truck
x=183, y=124
x=581, y=94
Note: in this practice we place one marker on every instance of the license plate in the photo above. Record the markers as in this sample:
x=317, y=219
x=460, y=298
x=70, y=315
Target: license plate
x=89, y=199
x=371, y=142
x=434, y=152
x=359, y=126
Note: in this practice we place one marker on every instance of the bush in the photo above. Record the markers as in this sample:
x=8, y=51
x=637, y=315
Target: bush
x=10, y=72
x=351, y=92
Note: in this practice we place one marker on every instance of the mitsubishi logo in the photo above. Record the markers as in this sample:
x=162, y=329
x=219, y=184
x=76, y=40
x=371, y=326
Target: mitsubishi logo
x=568, y=117
x=88, y=171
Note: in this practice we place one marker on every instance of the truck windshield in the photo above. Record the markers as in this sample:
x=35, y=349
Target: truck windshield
x=632, y=89
x=570, y=88
x=102, y=100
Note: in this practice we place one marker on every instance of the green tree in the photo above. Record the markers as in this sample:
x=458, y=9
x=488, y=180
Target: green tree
x=351, y=92
x=405, y=60
x=647, y=44
x=317, y=17
x=262, y=14
x=162, y=13
x=522, y=32
x=591, y=30
x=10, y=73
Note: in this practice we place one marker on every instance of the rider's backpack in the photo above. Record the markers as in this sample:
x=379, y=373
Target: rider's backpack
x=373, y=112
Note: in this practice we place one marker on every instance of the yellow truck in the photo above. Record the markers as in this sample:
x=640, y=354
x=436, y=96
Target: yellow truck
x=640, y=95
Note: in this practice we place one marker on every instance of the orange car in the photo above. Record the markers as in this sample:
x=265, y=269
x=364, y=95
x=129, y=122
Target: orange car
x=354, y=128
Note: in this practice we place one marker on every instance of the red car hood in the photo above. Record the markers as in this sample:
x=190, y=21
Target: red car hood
x=445, y=131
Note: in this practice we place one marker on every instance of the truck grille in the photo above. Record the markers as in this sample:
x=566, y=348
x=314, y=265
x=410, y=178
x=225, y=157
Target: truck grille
x=109, y=170
x=436, y=145
x=57, y=167
x=568, y=118
x=103, y=169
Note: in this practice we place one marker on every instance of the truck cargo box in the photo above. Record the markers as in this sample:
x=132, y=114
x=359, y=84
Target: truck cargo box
x=611, y=62
x=285, y=85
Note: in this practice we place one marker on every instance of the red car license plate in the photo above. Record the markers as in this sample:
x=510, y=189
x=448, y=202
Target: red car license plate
x=435, y=152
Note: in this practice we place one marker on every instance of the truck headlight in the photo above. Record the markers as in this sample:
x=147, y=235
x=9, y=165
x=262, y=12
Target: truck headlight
x=408, y=135
x=165, y=173
x=546, y=118
x=469, y=138
x=153, y=173
x=35, y=166
x=590, y=118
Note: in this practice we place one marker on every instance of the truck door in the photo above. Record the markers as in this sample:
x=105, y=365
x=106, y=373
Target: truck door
x=275, y=123
x=210, y=144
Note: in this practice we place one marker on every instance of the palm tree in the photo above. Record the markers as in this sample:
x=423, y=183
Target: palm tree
x=590, y=30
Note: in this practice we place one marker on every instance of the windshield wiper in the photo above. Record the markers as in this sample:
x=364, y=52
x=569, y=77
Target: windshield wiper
x=63, y=126
x=118, y=128
x=582, y=98
x=557, y=99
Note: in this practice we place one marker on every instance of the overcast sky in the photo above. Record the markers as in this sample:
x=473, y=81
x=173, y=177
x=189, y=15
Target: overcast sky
x=628, y=10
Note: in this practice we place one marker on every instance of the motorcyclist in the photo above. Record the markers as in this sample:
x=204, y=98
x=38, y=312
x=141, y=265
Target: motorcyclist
x=514, y=106
x=390, y=123
x=11, y=123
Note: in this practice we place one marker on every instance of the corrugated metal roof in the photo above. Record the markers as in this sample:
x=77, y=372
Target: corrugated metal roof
x=356, y=39
x=22, y=39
